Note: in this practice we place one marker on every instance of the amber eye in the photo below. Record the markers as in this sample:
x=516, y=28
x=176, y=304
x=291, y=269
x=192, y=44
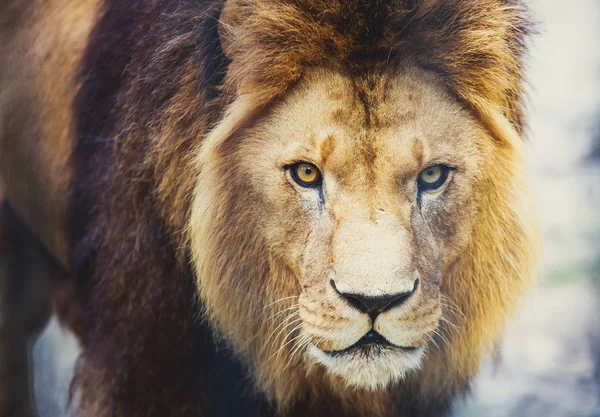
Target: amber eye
x=433, y=177
x=306, y=175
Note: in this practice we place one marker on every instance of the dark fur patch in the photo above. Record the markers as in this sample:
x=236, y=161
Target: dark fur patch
x=146, y=353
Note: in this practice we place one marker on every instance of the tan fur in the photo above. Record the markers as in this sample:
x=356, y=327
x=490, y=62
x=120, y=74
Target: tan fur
x=41, y=43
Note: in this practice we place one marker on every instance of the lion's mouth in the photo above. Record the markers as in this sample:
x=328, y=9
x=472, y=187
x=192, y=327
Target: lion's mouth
x=372, y=342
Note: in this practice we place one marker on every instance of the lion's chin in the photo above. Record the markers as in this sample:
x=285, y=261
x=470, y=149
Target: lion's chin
x=371, y=368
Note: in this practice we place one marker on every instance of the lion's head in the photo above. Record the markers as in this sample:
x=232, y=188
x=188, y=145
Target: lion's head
x=360, y=224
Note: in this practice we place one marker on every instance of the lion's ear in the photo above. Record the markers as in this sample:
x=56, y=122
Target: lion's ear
x=237, y=115
x=246, y=84
x=479, y=46
x=505, y=131
x=265, y=48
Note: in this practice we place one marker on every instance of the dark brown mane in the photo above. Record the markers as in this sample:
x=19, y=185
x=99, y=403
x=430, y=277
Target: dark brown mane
x=477, y=46
x=156, y=77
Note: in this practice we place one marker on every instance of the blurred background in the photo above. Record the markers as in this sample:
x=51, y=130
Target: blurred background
x=550, y=358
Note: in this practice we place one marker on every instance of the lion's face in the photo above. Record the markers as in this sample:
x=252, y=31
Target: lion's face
x=355, y=197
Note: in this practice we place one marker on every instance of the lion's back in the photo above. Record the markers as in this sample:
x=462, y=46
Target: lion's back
x=41, y=43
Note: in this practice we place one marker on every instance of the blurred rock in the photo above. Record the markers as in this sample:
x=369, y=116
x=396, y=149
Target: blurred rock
x=595, y=153
x=54, y=356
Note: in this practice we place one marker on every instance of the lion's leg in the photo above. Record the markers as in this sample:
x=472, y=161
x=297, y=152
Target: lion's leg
x=26, y=281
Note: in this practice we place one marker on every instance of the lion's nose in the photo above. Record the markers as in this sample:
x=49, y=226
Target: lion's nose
x=373, y=306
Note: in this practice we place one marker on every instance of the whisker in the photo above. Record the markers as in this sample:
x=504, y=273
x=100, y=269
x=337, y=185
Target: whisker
x=444, y=319
x=303, y=340
x=279, y=313
x=282, y=326
x=288, y=342
x=300, y=346
x=453, y=311
x=452, y=306
x=446, y=331
x=279, y=301
x=432, y=339
x=281, y=347
x=298, y=327
x=441, y=336
x=290, y=315
x=287, y=309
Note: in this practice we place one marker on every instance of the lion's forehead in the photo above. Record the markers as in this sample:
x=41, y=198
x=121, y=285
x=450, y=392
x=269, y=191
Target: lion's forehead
x=371, y=136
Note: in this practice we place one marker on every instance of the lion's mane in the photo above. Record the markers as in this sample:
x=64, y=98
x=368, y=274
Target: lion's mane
x=158, y=77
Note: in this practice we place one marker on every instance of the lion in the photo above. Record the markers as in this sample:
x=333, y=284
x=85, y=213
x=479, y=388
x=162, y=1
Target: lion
x=274, y=208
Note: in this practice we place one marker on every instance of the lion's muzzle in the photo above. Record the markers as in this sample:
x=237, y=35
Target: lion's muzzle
x=375, y=305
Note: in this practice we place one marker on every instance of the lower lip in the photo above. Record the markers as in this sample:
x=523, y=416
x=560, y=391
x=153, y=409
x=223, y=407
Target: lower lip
x=368, y=341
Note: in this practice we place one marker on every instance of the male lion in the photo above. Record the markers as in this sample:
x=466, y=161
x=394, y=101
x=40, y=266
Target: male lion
x=269, y=207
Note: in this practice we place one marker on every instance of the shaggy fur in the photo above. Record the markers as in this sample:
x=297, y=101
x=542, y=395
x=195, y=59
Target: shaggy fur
x=164, y=84
x=476, y=46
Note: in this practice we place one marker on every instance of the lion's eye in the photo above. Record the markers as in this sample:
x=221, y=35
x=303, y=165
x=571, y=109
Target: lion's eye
x=433, y=177
x=306, y=175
